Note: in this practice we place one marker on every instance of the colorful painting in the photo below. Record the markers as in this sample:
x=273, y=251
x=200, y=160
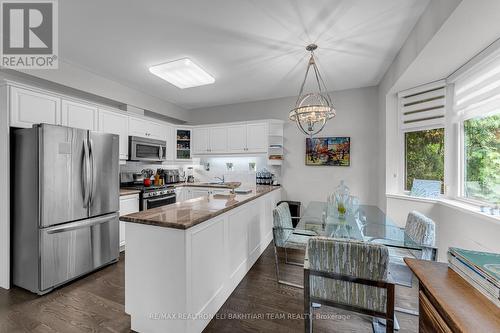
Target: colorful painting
x=330, y=151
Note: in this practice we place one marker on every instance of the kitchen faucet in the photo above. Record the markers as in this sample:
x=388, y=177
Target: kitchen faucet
x=221, y=179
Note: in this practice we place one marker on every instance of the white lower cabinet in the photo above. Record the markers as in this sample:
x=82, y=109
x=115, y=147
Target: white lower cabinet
x=191, y=192
x=128, y=204
x=202, y=264
x=198, y=192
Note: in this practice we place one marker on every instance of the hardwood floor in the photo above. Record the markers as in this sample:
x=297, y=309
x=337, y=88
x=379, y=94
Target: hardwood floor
x=95, y=303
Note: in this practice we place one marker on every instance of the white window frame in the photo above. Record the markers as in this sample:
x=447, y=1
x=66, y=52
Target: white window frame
x=454, y=154
x=460, y=195
x=455, y=123
x=403, y=152
x=402, y=132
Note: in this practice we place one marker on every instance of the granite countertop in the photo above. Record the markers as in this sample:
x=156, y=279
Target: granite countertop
x=127, y=191
x=186, y=214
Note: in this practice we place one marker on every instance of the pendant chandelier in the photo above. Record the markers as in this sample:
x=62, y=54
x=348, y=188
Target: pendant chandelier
x=312, y=110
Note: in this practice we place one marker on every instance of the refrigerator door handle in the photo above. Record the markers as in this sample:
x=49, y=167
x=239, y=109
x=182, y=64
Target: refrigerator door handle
x=82, y=224
x=94, y=176
x=86, y=167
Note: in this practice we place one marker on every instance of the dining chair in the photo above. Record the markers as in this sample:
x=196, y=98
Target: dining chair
x=421, y=230
x=350, y=275
x=285, y=236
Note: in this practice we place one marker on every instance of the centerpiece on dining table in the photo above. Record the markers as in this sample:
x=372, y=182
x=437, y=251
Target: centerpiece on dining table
x=340, y=205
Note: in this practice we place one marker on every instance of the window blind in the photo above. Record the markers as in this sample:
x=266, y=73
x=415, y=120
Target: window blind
x=423, y=106
x=477, y=91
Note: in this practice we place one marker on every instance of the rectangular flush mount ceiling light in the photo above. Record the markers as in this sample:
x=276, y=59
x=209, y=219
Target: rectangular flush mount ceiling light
x=182, y=73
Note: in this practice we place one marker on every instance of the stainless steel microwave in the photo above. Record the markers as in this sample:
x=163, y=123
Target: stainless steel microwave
x=142, y=149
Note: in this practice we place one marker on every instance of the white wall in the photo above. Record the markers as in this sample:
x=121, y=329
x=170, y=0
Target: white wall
x=357, y=117
x=455, y=226
x=82, y=79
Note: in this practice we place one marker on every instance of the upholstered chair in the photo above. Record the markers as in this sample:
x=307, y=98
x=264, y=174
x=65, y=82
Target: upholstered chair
x=286, y=237
x=350, y=275
x=420, y=230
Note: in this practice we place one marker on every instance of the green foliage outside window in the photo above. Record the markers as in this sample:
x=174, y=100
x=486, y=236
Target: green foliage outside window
x=424, y=153
x=482, y=158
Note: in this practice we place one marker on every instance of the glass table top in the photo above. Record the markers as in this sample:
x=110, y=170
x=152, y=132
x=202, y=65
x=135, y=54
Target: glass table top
x=368, y=224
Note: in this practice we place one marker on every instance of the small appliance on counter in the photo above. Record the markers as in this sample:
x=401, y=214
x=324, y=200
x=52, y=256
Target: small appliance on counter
x=189, y=175
x=264, y=177
x=170, y=176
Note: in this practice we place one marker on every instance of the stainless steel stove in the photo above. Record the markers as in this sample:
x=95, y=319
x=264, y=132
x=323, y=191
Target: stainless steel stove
x=153, y=196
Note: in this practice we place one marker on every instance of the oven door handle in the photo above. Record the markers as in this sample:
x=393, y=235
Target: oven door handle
x=160, y=199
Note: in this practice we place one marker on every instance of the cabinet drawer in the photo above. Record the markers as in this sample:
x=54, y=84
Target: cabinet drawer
x=430, y=320
x=129, y=204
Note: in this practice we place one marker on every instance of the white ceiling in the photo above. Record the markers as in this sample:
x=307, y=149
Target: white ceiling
x=254, y=49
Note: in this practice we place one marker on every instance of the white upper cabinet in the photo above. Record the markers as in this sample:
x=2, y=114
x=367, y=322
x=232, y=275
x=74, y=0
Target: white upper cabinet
x=79, y=115
x=169, y=137
x=208, y=140
x=257, y=137
x=30, y=107
x=146, y=129
x=218, y=139
x=115, y=123
x=237, y=138
x=201, y=140
x=231, y=139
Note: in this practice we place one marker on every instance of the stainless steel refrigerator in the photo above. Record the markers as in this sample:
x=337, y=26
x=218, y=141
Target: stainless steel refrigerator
x=65, y=202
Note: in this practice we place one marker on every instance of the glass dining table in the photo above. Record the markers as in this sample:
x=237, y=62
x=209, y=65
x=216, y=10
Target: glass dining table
x=367, y=224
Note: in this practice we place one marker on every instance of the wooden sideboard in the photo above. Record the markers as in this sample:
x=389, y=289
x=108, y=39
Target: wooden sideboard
x=447, y=303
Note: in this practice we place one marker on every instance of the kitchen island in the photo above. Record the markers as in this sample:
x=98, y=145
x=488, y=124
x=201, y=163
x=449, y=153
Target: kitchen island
x=184, y=260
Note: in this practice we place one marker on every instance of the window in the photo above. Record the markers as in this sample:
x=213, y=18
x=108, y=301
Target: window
x=424, y=156
x=476, y=107
x=482, y=158
x=422, y=122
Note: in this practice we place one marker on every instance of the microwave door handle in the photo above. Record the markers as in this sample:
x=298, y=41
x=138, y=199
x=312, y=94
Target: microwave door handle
x=86, y=174
x=160, y=152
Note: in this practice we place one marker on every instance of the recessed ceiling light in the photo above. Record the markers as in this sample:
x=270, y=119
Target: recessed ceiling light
x=182, y=73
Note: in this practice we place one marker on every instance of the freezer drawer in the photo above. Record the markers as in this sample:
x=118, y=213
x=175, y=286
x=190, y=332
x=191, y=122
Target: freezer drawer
x=77, y=248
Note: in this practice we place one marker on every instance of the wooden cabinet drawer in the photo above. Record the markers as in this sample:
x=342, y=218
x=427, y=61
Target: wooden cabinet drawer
x=430, y=320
